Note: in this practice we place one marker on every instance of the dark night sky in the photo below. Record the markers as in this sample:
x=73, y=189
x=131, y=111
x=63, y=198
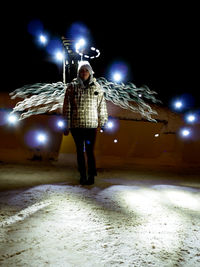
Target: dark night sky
x=159, y=44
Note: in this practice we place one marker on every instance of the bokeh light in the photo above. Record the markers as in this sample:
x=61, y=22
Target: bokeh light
x=35, y=27
x=118, y=71
x=42, y=138
x=190, y=118
x=185, y=132
x=12, y=119
x=117, y=77
x=60, y=124
x=77, y=30
x=43, y=39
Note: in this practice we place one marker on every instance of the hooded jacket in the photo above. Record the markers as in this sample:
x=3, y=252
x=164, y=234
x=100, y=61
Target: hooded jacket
x=84, y=105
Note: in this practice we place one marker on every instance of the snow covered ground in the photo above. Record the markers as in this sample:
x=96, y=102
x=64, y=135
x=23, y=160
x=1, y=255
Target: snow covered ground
x=130, y=217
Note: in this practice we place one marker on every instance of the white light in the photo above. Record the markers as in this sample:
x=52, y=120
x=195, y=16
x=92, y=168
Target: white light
x=81, y=42
x=110, y=124
x=178, y=104
x=185, y=132
x=60, y=124
x=43, y=39
x=115, y=141
x=41, y=138
x=59, y=56
x=101, y=131
x=117, y=77
x=156, y=135
x=140, y=95
x=191, y=118
x=12, y=119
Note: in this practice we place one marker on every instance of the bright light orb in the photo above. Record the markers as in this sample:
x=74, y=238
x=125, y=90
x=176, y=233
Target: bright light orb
x=41, y=138
x=109, y=124
x=12, y=119
x=43, y=39
x=156, y=135
x=178, y=104
x=115, y=140
x=59, y=56
x=80, y=43
x=185, y=132
x=117, y=77
x=191, y=118
x=60, y=124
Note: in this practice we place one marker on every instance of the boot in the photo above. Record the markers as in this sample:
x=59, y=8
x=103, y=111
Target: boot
x=90, y=180
x=83, y=180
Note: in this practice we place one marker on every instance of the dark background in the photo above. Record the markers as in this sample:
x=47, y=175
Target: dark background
x=159, y=43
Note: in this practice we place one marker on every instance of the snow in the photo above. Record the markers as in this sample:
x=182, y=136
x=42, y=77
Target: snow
x=137, y=216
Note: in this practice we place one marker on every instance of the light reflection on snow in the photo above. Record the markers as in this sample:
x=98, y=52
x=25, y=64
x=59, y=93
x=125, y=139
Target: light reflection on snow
x=20, y=216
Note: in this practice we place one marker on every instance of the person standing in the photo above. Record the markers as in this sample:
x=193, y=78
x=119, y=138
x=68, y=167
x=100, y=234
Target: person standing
x=84, y=110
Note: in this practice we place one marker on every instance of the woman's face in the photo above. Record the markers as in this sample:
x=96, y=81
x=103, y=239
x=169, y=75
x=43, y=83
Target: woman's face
x=84, y=74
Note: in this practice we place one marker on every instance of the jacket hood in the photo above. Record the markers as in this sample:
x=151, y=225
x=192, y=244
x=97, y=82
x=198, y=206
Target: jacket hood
x=85, y=64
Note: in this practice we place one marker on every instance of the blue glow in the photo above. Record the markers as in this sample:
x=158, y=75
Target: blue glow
x=35, y=27
x=118, y=71
x=42, y=138
x=109, y=124
x=80, y=43
x=117, y=77
x=12, y=119
x=60, y=124
x=185, y=101
x=76, y=30
x=54, y=46
x=59, y=55
x=43, y=39
x=191, y=118
x=178, y=104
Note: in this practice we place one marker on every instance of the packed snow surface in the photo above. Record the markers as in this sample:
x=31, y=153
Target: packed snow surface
x=129, y=217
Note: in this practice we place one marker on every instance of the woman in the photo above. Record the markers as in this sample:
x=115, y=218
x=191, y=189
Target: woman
x=84, y=110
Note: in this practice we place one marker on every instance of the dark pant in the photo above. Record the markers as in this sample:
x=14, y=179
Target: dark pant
x=84, y=139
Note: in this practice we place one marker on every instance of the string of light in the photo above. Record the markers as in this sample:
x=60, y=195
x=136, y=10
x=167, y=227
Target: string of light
x=87, y=56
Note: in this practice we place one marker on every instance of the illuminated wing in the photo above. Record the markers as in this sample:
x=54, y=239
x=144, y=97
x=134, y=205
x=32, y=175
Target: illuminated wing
x=130, y=97
x=41, y=98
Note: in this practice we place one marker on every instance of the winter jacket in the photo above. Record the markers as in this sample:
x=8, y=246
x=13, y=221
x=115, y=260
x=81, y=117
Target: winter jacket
x=84, y=107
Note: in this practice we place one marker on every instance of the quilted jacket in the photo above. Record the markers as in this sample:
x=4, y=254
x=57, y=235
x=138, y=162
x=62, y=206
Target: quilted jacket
x=84, y=107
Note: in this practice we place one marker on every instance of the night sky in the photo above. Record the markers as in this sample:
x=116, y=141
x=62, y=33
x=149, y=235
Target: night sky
x=158, y=43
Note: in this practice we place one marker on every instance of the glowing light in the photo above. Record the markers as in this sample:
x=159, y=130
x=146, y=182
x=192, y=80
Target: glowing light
x=81, y=43
x=117, y=77
x=43, y=39
x=115, y=140
x=178, y=104
x=109, y=124
x=59, y=56
x=191, y=118
x=140, y=95
x=60, y=124
x=41, y=138
x=183, y=199
x=185, y=132
x=12, y=119
x=156, y=135
x=101, y=131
